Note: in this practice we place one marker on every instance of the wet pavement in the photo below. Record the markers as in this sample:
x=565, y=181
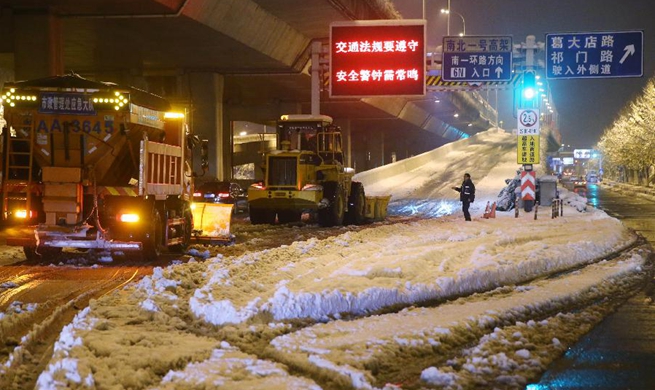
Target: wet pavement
x=619, y=353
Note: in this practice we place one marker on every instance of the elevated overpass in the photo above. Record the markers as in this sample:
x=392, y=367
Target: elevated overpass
x=227, y=61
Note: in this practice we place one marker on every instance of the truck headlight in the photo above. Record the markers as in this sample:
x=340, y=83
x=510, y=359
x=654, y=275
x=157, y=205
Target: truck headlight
x=129, y=218
x=22, y=214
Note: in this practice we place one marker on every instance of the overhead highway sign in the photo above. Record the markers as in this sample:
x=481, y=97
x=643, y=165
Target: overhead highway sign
x=595, y=55
x=477, y=58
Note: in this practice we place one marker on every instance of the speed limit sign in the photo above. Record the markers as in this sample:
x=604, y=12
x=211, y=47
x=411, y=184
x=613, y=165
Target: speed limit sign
x=528, y=121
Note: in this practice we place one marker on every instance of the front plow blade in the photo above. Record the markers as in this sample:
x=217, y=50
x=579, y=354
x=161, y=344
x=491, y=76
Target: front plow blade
x=211, y=223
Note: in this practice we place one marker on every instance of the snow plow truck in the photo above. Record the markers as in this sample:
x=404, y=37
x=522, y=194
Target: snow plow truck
x=306, y=172
x=98, y=167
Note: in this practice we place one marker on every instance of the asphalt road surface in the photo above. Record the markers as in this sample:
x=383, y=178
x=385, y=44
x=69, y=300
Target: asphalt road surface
x=619, y=353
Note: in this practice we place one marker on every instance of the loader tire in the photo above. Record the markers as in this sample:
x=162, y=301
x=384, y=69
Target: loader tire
x=333, y=214
x=260, y=216
x=289, y=216
x=356, y=205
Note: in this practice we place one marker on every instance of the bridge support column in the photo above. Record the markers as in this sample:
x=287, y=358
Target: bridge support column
x=382, y=136
x=346, y=139
x=374, y=148
x=207, y=120
x=38, y=45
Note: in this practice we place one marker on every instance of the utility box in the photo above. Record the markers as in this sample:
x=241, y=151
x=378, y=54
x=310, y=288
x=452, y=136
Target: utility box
x=547, y=190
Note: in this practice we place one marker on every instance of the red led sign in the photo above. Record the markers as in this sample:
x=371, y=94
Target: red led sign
x=377, y=58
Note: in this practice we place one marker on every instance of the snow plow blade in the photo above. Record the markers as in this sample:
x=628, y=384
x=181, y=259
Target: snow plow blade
x=376, y=207
x=211, y=223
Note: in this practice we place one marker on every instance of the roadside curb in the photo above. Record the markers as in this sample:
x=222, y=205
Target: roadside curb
x=641, y=191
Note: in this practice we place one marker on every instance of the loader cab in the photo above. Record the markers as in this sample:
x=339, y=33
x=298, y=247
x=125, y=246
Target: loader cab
x=300, y=131
x=313, y=133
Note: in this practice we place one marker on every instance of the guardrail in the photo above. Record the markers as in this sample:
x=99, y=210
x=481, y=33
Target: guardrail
x=557, y=208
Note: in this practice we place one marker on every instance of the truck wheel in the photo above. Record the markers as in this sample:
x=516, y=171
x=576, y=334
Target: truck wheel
x=44, y=254
x=356, y=205
x=186, y=233
x=289, y=216
x=334, y=213
x=153, y=245
x=30, y=253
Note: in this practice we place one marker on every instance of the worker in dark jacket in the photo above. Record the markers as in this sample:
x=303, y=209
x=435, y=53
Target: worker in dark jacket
x=466, y=195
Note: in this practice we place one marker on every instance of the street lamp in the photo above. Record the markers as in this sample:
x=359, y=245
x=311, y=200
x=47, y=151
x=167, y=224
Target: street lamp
x=448, y=12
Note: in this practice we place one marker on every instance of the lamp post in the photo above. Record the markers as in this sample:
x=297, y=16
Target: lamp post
x=448, y=12
x=448, y=20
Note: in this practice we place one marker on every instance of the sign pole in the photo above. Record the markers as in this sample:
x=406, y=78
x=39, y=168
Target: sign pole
x=316, y=87
x=529, y=198
x=448, y=20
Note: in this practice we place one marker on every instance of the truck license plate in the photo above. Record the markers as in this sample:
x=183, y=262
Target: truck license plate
x=280, y=194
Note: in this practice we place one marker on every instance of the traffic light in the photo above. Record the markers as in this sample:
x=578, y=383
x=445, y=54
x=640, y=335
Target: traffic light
x=529, y=87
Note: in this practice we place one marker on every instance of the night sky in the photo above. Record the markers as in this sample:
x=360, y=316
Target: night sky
x=586, y=107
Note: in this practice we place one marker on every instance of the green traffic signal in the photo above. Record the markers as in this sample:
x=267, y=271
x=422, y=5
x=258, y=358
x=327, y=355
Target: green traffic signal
x=529, y=89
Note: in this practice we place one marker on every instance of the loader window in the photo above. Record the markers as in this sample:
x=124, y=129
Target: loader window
x=329, y=147
x=282, y=171
x=295, y=132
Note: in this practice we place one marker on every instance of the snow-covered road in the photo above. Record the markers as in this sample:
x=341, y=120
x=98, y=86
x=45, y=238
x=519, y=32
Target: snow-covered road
x=434, y=302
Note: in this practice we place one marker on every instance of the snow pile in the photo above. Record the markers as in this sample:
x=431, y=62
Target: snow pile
x=421, y=185
x=227, y=367
x=352, y=346
x=16, y=308
x=426, y=260
x=65, y=369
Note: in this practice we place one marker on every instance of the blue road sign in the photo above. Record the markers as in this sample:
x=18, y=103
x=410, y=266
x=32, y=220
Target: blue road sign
x=477, y=58
x=595, y=55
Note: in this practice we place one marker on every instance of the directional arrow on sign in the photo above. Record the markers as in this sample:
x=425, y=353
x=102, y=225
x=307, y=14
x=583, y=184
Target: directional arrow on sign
x=629, y=50
x=498, y=71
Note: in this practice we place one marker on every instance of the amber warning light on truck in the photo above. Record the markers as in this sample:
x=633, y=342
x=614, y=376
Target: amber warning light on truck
x=377, y=58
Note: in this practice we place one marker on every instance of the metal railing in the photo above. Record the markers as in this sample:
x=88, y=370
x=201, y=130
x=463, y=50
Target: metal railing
x=557, y=207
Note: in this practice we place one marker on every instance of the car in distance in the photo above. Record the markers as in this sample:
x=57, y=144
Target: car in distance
x=592, y=178
x=579, y=185
x=222, y=192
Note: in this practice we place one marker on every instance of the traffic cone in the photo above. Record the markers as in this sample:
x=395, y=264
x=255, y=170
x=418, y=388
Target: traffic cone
x=492, y=212
x=486, y=211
